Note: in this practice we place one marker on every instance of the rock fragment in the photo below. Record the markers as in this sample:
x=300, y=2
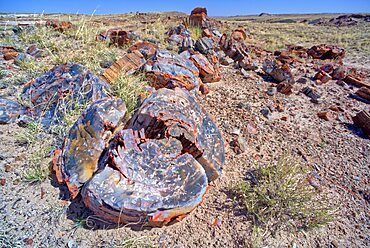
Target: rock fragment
x=9, y=111
x=362, y=120
x=364, y=93
x=207, y=72
x=185, y=121
x=277, y=72
x=117, y=36
x=311, y=93
x=326, y=52
x=128, y=64
x=322, y=77
x=57, y=25
x=326, y=115
x=167, y=70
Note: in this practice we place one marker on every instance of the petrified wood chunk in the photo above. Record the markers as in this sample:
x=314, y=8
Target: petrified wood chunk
x=117, y=36
x=146, y=48
x=208, y=72
x=60, y=89
x=175, y=113
x=85, y=142
x=9, y=111
x=59, y=25
x=151, y=183
x=362, y=120
x=167, y=70
x=326, y=52
x=278, y=72
x=364, y=93
x=128, y=64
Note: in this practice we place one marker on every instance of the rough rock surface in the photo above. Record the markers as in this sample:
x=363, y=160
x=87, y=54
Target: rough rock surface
x=86, y=140
x=167, y=70
x=9, y=110
x=177, y=114
x=60, y=89
x=152, y=183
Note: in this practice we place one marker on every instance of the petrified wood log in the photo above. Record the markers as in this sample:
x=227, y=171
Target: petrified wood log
x=153, y=173
x=60, y=89
x=86, y=140
x=152, y=182
x=175, y=113
x=128, y=64
x=167, y=70
x=364, y=93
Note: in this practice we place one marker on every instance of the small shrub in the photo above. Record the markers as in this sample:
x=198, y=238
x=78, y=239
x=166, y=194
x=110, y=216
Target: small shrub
x=279, y=196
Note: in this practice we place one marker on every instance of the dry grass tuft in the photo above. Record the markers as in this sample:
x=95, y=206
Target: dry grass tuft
x=130, y=88
x=279, y=197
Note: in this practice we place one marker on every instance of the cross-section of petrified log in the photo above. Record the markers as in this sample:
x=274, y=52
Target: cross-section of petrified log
x=60, y=89
x=86, y=140
x=146, y=181
x=167, y=70
x=175, y=113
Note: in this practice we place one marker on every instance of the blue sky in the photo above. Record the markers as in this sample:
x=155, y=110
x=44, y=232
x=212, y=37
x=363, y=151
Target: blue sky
x=215, y=7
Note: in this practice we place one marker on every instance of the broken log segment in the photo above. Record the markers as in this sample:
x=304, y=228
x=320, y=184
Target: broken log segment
x=355, y=81
x=86, y=140
x=362, y=120
x=58, y=91
x=175, y=113
x=364, y=93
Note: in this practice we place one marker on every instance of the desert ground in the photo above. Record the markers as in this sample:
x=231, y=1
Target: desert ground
x=261, y=128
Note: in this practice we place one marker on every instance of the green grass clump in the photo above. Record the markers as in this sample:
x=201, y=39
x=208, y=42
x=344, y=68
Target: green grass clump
x=39, y=147
x=28, y=135
x=280, y=196
x=130, y=88
x=196, y=32
x=38, y=162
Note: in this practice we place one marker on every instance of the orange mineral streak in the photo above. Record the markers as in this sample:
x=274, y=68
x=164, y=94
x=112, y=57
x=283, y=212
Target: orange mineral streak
x=73, y=189
x=55, y=162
